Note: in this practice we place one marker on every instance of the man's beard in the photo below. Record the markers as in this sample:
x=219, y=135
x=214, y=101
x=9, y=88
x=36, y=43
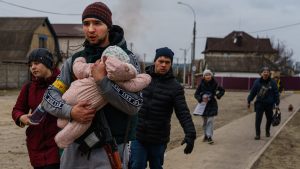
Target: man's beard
x=101, y=40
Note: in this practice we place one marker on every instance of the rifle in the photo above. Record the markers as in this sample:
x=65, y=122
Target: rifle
x=110, y=145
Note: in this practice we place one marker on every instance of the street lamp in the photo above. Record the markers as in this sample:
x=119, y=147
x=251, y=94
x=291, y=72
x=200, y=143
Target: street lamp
x=193, y=68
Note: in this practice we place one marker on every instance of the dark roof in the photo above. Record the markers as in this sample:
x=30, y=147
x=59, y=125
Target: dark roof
x=255, y=53
x=238, y=41
x=68, y=30
x=16, y=35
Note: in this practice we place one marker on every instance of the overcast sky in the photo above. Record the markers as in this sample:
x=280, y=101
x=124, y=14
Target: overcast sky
x=150, y=24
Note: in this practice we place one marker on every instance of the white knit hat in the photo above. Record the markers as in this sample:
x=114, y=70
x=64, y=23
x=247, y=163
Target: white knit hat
x=207, y=71
x=116, y=52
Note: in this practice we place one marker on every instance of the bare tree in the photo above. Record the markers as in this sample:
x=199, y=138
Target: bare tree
x=283, y=60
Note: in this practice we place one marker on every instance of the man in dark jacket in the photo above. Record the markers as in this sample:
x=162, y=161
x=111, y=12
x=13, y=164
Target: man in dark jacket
x=88, y=151
x=161, y=97
x=267, y=96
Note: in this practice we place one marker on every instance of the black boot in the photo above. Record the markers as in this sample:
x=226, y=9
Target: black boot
x=210, y=140
x=257, y=137
x=267, y=133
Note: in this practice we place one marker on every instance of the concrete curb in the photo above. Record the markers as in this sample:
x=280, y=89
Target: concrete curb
x=255, y=159
x=235, y=147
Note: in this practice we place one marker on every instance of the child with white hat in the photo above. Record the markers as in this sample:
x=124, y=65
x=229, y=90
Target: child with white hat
x=206, y=94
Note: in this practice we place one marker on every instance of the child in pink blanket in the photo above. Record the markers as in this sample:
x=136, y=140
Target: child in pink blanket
x=118, y=70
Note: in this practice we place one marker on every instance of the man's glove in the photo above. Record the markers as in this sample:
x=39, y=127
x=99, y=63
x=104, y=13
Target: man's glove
x=189, y=145
x=218, y=96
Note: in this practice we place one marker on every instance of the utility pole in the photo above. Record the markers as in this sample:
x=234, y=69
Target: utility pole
x=177, y=67
x=193, y=55
x=144, y=63
x=68, y=47
x=131, y=46
x=184, y=65
x=193, y=52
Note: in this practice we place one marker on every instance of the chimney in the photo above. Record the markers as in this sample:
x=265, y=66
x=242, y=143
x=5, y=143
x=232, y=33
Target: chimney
x=237, y=40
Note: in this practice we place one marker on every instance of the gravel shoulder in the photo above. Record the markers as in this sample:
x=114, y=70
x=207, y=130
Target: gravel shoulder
x=284, y=151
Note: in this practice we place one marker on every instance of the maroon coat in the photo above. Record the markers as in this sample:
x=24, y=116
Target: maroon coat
x=41, y=146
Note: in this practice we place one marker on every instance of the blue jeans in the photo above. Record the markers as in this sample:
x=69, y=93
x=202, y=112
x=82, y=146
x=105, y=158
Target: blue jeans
x=208, y=125
x=141, y=153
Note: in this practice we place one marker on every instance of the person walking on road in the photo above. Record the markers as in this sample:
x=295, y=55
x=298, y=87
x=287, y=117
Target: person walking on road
x=84, y=88
x=207, y=92
x=267, y=96
x=279, y=83
x=42, y=149
x=101, y=146
x=161, y=97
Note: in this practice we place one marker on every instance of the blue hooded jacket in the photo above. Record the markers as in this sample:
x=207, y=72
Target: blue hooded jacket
x=271, y=94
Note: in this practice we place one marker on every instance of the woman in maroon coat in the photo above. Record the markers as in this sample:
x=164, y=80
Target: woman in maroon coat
x=42, y=149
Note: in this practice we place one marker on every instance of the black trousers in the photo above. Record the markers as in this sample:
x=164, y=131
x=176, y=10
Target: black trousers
x=260, y=109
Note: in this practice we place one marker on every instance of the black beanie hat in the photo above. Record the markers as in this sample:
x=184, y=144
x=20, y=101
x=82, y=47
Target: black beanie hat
x=165, y=51
x=41, y=55
x=265, y=68
x=99, y=11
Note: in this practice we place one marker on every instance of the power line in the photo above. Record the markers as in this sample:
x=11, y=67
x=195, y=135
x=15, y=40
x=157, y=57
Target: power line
x=262, y=30
x=275, y=28
x=72, y=14
x=37, y=10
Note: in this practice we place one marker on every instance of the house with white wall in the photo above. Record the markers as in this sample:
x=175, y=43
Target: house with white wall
x=70, y=38
x=238, y=55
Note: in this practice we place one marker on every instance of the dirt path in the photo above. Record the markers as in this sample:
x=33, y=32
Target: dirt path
x=231, y=106
x=13, y=152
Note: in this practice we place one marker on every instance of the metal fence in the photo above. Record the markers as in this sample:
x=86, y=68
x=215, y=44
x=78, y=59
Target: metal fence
x=13, y=75
x=241, y=83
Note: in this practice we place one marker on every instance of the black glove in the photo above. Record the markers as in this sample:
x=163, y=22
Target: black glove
x=218, y=96
x=189, y=145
